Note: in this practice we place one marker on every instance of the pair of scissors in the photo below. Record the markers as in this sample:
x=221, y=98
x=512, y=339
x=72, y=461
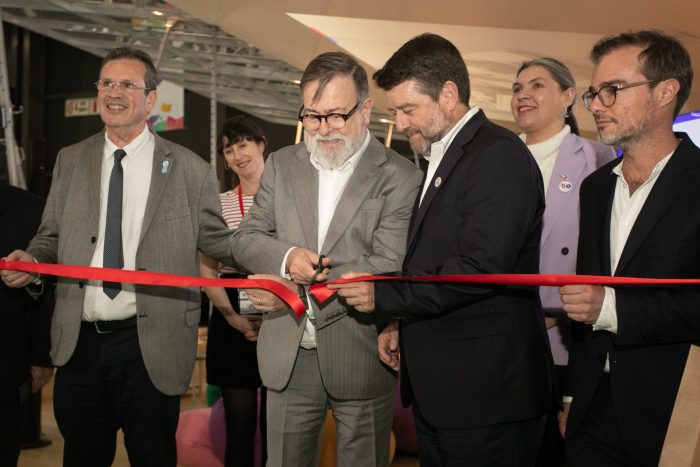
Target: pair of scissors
x=319, y=269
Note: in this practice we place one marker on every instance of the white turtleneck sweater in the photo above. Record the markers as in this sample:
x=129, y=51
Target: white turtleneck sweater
x=545, y=153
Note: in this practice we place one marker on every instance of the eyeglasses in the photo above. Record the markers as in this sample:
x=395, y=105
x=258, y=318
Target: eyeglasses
x=335, y=120
x=104, y=84
x=608, y=94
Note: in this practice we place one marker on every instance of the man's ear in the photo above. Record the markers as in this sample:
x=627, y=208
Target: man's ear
x=366, y=109
x=668, y=91
x=449, y=95
x=151, y=99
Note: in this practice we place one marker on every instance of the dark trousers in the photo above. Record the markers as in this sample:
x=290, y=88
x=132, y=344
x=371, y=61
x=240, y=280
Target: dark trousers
x=552, y=450
x=105, y=387
x=11, y=429
x=597, y=440
x=513, y=444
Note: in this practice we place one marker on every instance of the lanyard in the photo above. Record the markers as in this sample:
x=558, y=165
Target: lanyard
x=240, y=201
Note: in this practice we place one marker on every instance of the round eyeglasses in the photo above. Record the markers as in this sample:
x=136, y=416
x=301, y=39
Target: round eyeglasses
x=334, y=120
x=608, y=94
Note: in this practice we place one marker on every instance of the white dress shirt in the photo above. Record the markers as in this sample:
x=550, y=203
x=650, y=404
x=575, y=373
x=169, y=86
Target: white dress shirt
x=624, y=214
x=438, y=149
x=331, y=183
x=137, y=167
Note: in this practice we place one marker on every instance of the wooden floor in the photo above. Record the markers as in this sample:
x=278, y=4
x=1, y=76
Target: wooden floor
x=50, y=456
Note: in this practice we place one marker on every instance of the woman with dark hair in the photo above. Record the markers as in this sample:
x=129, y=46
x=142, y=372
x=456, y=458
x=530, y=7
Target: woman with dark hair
x=231, y=344
x=544, y=92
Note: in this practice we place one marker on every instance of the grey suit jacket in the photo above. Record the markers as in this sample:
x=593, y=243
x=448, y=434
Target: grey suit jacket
x=182, y=215
x=367, y=234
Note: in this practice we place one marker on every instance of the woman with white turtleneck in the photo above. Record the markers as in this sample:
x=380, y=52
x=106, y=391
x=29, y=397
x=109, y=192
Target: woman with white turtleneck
x=543, y=95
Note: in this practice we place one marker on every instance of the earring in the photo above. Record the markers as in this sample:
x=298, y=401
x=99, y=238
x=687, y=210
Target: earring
x=566, y=112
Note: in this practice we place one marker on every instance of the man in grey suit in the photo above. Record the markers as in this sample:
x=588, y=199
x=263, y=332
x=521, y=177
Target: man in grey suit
x=344, y=195
x=125, y=198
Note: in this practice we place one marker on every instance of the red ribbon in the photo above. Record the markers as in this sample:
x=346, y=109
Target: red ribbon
x=320, y=291
x=323, y=293
x=156, y=278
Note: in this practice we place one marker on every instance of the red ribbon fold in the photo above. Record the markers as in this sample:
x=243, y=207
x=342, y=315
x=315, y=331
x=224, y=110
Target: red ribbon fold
x=320, y=291
x=156, y=278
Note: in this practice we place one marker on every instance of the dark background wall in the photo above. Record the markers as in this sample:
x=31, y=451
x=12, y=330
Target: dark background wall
x=43, y=73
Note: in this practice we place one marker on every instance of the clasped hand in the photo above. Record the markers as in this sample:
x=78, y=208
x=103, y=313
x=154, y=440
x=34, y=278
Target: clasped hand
x=582, y=303
x=265, y=301
x=17, y=278
x=359, y=295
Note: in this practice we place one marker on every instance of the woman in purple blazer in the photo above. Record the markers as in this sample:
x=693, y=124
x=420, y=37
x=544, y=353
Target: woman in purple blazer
x=544, y=92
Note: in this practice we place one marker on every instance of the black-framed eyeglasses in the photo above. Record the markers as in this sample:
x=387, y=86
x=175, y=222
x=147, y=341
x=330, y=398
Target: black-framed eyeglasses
x=104, y=84
x=608, y=94
x=334, y=120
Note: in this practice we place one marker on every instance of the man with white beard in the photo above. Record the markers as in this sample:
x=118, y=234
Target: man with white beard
x=339, y=202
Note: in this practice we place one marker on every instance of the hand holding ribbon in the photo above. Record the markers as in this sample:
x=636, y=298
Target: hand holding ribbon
x=154, y=278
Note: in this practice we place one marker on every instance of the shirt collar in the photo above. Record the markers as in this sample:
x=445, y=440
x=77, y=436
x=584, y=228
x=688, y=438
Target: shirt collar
x=438, y=148
x=617, y=170
x=349, y=164
x=133, y=148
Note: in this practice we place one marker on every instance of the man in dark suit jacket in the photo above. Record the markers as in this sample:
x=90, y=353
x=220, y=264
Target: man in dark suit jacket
x=25, y=365
x=640, y=217
x=474, y=359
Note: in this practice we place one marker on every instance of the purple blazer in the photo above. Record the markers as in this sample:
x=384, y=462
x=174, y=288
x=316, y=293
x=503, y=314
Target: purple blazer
x=577, y=158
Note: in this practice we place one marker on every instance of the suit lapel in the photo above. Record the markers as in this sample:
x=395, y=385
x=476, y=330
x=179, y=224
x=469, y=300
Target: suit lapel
x=361, y=181
x=453, y=155
x=95, y=157
x=159, y=180
x=304, y=178
x=667, y=188
x=607, y=193
x=571, y=163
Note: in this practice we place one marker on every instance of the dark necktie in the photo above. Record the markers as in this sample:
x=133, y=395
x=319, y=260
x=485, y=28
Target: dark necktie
x=113, y=256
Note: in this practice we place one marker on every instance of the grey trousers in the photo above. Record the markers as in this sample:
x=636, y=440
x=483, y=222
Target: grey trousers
x=296, y=414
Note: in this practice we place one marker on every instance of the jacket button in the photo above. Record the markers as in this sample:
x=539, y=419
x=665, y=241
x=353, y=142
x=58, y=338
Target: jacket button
x=81, y=284
x=93, y=239
x=565, y=251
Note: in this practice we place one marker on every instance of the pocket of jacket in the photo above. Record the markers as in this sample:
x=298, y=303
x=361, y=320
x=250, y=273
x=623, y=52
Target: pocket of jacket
x=177, y=213
x=192, y=317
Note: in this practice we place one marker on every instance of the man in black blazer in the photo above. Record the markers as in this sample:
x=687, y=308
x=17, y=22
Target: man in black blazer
x=474, y=358
x=640, y=217
x=25, y=365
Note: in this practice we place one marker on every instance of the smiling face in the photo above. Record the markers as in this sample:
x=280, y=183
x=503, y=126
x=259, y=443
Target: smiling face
x=335, y=146
x=539, y=103
x=124, y=112
x=245, y=157
x=421, y=119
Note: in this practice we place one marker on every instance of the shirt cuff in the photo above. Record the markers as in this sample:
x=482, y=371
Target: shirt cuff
x=607, y=320
x=567, y=399
x=283, y=268
x=37, y=280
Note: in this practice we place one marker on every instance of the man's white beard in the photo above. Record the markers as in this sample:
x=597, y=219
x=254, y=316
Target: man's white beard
x=332, y=158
